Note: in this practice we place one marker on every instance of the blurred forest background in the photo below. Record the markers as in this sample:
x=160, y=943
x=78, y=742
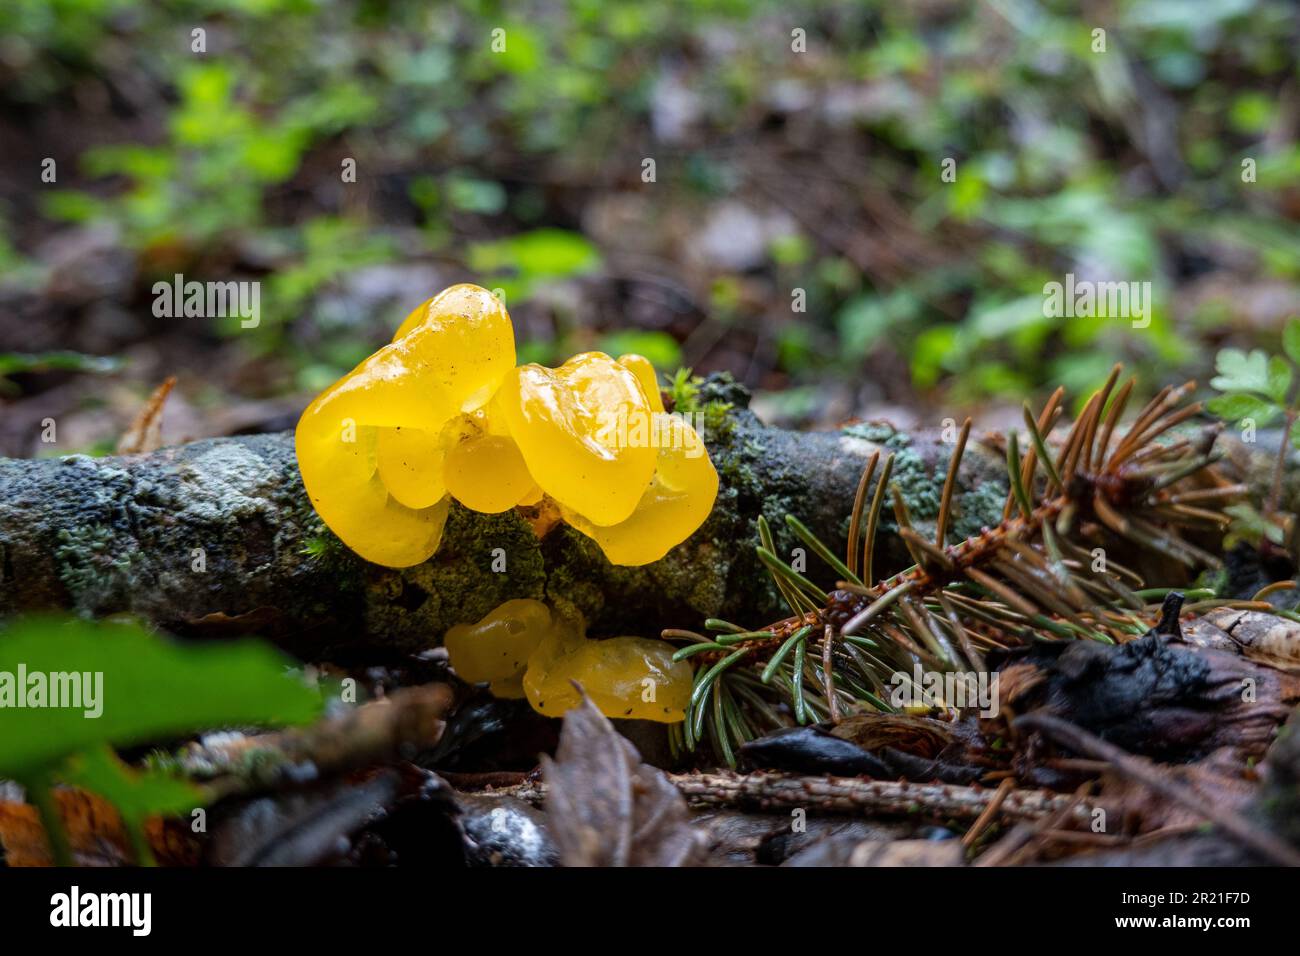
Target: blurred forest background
x=775, y=170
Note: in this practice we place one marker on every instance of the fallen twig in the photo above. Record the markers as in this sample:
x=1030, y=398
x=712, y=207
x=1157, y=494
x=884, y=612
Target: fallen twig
x=408, y=720
x=853, y=795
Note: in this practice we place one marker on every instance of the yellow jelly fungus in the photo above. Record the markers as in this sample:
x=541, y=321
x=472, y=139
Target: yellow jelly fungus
x=370, y=447
x=633, y=677
x=508, y=688
x=522, y=649
x=441, y=412
x=640, y=366
x=498, y=647
x=679, y=498
x=487, y=474
x=476, y=342
x=566, y=421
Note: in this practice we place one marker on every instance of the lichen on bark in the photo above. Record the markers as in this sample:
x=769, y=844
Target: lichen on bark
x=218, y=537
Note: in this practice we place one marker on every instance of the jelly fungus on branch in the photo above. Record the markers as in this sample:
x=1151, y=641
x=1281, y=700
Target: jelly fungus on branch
x=442, y=412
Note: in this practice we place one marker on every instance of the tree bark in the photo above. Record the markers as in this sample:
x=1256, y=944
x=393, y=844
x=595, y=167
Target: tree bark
x=217, y=537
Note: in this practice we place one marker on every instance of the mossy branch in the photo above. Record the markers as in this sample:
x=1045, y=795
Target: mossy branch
x=217, y=537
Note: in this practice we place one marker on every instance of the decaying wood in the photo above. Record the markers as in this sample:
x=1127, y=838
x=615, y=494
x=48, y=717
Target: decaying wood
x=1154, y=696
x=1262, y=637
x=95, y=832
x=217, y=537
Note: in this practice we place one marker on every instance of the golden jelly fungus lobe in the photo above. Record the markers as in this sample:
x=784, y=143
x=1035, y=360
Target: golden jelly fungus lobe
x=476, y=342
x=487, y=473
x=679, y=498
x=498, y=647
x=630, y=677
x=410, y=463
x=521, y=649
x=640, y=366
x=565, y=423
x=380, y=491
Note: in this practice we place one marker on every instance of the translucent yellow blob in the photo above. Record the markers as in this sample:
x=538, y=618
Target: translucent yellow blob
x=498, y=647
x=476, y=343
x=410, y=464
x=382, y=491
x=523, y=650
x=571, y=424
x=487, y=473
x=679, y=498
x=631, y=677
x=440, y=412
x=640, y=366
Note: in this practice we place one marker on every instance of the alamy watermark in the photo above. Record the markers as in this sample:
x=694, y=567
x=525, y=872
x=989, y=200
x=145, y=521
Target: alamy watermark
x=133, y=911
x=1086, y=299
x=59, y=690
x=959, y=689
x=679, y=431
x=209, y=300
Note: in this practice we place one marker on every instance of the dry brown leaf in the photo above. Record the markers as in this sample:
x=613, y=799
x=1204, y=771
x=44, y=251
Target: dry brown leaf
x=1262, y=637
x=145, y=433
x=95, y=834
x=606, y=808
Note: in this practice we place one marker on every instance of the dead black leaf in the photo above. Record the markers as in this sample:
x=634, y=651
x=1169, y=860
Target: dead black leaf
x=605, y=807
x=307, y=828
x=1153, y=696
x=815, y=750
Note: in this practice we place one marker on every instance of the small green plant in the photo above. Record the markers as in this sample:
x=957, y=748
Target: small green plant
x=684, y=392
x=71, y=690
x=1258, y=389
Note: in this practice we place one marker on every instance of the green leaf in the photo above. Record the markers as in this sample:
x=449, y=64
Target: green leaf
x=1291, y=339
x=140, y=687
x=1250, y=523
x=931, y=350
x=136, y=794
x=1242, y=372
x=71, y=205
x=540, y=254
x=659, y=347
x=1239, y=406
x=1295, y=434
x=12, y=363
x=469, y=194
x=1279, y=378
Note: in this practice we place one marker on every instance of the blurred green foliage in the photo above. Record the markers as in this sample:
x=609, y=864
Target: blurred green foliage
x=1259, y=388
x=130, y=687
x=151, y=688
x=1125, y=164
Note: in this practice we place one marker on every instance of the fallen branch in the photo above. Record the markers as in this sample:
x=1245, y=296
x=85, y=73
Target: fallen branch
x=396, y=727
x=217, y=537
